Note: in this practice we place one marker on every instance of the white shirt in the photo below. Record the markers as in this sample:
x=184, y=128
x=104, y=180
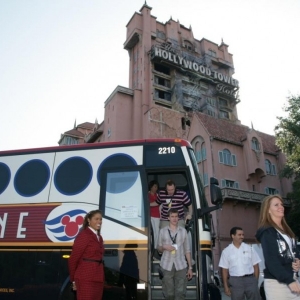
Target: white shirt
x=239, y=261
x=290, y=241
x=95, y=231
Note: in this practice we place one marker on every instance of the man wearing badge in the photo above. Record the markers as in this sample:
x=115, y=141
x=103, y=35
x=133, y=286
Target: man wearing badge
x=176, y=258
x=172, y=197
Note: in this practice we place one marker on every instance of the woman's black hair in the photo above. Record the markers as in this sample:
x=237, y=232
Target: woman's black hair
x=152, y=183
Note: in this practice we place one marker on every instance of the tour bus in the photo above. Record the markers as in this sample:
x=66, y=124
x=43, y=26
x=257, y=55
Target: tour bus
x=45, y=194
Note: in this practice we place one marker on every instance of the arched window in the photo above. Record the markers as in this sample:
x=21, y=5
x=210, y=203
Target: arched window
x=188, y=45
x=255, y=144
x=226, y=158
x=200, y=150
x=270, y=168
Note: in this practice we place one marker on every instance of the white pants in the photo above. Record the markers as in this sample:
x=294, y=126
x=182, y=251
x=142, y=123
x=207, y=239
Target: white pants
x=275, y=290
x=155, y=226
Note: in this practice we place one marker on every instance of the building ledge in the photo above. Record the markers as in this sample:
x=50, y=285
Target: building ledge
x=232, y=194
x=119, y=89
x=221, y=62
x=132, y=40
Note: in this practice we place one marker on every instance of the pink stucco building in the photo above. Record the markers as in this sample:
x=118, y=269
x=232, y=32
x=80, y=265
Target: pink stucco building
x=181, y=86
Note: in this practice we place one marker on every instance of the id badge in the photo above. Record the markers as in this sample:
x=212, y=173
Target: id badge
x=169, y=202
x=176, y=247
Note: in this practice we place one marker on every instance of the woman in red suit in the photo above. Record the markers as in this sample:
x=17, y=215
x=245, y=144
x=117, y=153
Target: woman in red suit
x=86, y=260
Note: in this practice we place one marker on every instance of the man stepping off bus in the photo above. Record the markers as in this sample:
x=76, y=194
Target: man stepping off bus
x=176, y=258
x=172, y=197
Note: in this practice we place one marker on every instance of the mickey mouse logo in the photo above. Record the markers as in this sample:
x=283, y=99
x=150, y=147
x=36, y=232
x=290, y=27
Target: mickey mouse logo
x=72, y=227
x=63, y=224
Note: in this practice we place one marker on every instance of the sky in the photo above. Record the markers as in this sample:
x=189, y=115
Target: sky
x=61, y=59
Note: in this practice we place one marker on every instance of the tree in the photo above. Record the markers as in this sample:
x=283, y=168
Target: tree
x=293, y=216
x=287, y=134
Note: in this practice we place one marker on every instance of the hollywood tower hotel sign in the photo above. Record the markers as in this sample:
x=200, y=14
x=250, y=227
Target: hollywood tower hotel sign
x=225, y=83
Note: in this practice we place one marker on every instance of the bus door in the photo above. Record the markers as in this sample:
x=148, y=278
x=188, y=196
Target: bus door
x=182, y=180
x=125, y=232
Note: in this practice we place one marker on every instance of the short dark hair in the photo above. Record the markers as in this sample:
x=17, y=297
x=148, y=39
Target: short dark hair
x=233, y=230
x=152, y=183
x=173, y=211
x=170, y=182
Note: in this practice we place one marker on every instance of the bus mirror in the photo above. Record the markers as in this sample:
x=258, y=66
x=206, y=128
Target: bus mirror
x=215, y=192
x=215, y=197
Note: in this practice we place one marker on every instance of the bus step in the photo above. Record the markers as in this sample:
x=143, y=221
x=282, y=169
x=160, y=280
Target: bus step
x=157, y=294
x=156, y=281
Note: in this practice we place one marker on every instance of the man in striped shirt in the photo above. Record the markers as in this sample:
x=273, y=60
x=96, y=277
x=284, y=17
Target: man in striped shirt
x=174, y=198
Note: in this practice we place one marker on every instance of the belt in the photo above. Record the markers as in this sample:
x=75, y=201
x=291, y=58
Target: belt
x=246, y=275
x=94, y=260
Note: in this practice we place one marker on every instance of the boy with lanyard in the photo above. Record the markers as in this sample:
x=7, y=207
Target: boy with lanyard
x=176, y=257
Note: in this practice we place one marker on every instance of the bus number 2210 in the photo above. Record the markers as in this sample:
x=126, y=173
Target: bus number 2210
x=166, y=150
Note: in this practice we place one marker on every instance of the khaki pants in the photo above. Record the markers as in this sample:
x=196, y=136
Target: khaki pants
x=275, y=290
x=174, y=284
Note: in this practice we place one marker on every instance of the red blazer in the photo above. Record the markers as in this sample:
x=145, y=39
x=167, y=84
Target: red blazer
x=86, y=245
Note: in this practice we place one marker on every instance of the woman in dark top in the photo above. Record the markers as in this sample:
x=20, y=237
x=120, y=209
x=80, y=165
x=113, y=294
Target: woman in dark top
x=279, y=249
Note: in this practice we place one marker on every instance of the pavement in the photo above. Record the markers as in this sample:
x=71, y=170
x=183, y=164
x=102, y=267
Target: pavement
x=224, y=297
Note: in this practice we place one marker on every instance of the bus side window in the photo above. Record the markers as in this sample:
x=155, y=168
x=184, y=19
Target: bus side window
x=124, y=198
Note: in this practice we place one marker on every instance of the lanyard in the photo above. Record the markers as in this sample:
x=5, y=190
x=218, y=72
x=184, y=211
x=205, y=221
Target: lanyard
x=170, y=203
x=173, y=239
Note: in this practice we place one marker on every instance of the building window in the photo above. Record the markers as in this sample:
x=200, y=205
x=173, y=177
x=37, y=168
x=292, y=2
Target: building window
x=255, y=144
x=160, y=34
x=188, y=45
x=212, y=53
x=211, y=113
x=200, y=152
x=204, y=179
x=226, y=158
x=224, y=114
x=162, y=95
x=270, y=168
x=229, y=183
x=68, y=140
x=223, y=102
x=109, y=132
x=162, y=81
x=162, y=69
x=210, y=101
x=271, y=191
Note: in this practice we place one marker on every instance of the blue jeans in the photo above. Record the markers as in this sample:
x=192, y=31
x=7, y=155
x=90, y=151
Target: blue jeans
x=174, y=284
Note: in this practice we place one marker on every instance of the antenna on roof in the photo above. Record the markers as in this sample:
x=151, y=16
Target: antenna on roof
x=75, y=124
